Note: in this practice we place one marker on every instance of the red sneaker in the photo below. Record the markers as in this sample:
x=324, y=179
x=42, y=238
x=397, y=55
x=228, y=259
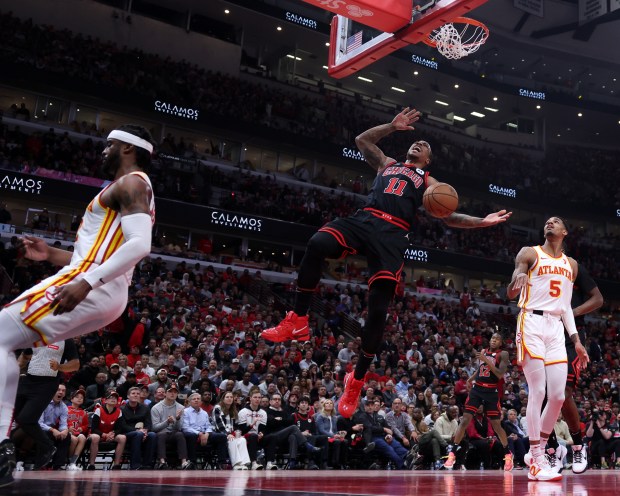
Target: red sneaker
x=292, y=327
x=351, y=397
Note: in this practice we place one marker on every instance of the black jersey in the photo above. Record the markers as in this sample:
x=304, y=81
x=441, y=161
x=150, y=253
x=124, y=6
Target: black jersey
x=397, y=192
x=485, y=378
x=581, y=292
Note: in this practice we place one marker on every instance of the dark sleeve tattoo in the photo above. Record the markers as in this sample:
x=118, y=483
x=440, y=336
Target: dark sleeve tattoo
x=366, y=142
x=372, y=157
x=463, y=221
x=133, y=198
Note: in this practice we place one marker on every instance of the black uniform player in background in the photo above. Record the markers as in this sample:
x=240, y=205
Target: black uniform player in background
x=586, y=298
x=487, y=381
x=379, y=231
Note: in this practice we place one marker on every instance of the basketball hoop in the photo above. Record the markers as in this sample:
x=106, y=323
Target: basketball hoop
x=456, y=42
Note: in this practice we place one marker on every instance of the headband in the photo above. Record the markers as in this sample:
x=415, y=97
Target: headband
x=132, y=139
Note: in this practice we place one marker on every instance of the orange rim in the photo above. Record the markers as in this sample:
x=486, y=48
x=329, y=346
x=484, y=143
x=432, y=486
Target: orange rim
x=461, y=20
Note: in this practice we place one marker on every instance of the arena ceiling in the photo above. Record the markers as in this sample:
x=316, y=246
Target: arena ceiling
x=524, y=50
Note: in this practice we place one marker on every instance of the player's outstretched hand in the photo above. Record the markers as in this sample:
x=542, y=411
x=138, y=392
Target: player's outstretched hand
x=495, y=218
x=403, y=121
x=33, y=248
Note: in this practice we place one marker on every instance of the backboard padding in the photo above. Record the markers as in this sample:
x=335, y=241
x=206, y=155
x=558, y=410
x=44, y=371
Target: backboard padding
x=344, y=62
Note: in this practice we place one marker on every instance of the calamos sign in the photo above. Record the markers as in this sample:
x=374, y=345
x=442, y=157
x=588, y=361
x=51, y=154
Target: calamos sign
x=176, y=110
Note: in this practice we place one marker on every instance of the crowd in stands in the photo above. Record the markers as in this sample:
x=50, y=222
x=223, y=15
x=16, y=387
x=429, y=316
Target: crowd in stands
x=327, y=116
x=188, y=371
x=264, y=195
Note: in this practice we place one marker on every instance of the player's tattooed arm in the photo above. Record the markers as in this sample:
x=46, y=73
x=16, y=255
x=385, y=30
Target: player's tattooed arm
x=523, y=261
x=465, y=221
x=132, y=194
x=367, y=141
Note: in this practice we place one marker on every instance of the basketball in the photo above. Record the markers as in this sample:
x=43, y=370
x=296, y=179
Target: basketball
x=440, y=200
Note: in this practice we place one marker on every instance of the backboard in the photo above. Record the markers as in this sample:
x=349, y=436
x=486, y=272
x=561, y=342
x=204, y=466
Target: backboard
x=354, y=45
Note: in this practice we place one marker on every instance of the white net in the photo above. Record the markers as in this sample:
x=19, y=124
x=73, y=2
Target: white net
x=455, y=44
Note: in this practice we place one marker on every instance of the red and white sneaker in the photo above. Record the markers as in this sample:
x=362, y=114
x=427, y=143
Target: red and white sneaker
x=292, y=327
x=541, y=471
x=351, y=397
x=508, y=462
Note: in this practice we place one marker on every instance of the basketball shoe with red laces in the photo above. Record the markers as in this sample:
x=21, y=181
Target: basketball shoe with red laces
x=351, y=396
x=292, y=327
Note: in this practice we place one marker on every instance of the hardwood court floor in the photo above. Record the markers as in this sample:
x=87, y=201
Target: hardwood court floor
x=305, y=483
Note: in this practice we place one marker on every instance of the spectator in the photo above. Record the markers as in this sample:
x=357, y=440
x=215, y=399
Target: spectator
x=604, y=447
x=517, y=438
x=400, y=423
x=482, y=437
x=161, y=380
x=327, y=425
x=86, y=376
x=252, y=423
x=166, y=417
x=137, y=427
x=107, y=427
x=281, y=432
x=303, y=419
x=157, y=359
x=431, y=443
x=191, y=370
x=225, y=422
x=115, y=377
x=383, y=436
x=198, y=431
x=389, y=393
x=53, y=421
x=244, y=385
x=77, y=421
x=130, y=382
x=96, y=392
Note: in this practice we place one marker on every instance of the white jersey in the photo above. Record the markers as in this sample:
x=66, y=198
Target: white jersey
x=550, y=284
x=100, y=233
x=98, y=237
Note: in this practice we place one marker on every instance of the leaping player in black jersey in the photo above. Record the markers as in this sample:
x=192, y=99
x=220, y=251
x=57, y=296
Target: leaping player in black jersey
x=487, y=381
x=378, y=231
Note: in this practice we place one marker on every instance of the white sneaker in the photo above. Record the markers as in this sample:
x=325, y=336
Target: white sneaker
x=527, y=458
x=239, y=466
x=580, y=459
x=555, y=457
x=256, y=466
x=541, y=471
x=271, y=466
x=72, y=467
